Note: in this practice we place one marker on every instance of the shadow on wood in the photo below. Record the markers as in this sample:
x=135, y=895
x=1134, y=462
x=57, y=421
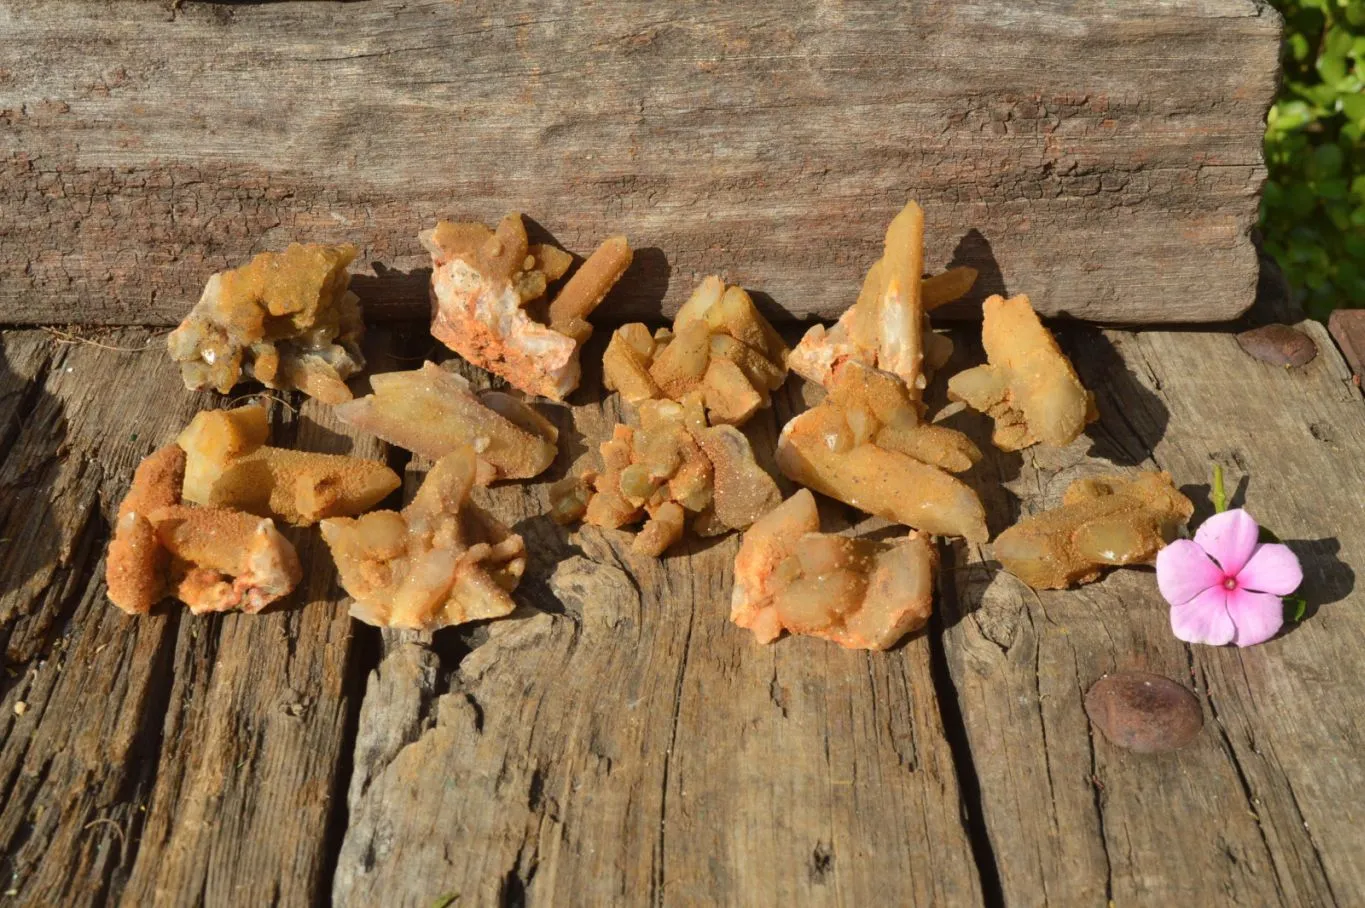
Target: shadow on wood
x=1199, y=495
x=974, y=251
x=1326, y=578
x=1133, y=418
x=33, y=428
x=331, y=441
x=647, y=279
x=391, y=293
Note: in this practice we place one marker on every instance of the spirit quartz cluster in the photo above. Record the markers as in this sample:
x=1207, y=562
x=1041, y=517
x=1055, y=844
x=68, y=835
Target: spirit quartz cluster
x=286, y=319
x=199, y=520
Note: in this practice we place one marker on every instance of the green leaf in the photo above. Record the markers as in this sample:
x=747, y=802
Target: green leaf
x=1321, y=98
x=1327, y=160
x=1332, y=189
x=1353, y=106
x=1288, y=115
x=1300, y=200
x=1332, y=64
x=1298, y=47
x=1313, y=208
x=1294, y=607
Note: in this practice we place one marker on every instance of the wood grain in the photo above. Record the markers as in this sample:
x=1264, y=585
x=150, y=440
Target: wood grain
x=618, y=741
x=1104, y=158
x=622, y=743
x=1260, y=808
x=166, y=759
x=260, y=702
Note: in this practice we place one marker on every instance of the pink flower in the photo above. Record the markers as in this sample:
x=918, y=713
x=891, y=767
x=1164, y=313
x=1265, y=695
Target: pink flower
x=1224, y=586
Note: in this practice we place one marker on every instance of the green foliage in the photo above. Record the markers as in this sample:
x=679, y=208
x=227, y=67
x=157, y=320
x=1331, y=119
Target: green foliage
x=1313, y=209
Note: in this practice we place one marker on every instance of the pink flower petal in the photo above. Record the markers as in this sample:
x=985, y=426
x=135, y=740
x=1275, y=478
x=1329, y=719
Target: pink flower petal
x=1204, y=619
x=1273, y=568
x=1230, y=538
x=1258, y=616
x=1183, y=571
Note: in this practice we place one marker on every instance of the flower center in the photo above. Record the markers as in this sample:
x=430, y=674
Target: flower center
x=1230, y=583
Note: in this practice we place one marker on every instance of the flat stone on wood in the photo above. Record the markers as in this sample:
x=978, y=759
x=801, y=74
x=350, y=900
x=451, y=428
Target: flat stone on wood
x=1144, y=713
x=1278, y=345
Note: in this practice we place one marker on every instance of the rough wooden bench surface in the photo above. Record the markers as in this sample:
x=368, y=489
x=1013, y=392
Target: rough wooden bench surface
x=1105, y=158
x=621, y=743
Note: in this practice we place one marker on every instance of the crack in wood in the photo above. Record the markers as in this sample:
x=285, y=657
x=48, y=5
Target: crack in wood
x=658, y=894
x=362, y=659
x=1097, y=790
x=959, y=742
x=1248, y=796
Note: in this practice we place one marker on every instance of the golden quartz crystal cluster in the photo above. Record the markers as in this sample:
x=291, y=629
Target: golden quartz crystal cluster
x=719, y=346
x=670, y=468
x=866, y=446
x=1102, y=521
x=287, y=319
x=201, y=518
x=860, y=593
x=1028, y=386
x=489, y=301
x=433, y=412
x=442, y=560
x=212, y=559
x=888, y=327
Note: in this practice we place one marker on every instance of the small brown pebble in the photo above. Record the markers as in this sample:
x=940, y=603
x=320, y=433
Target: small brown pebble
x=1279, y=345
x=1144, y=713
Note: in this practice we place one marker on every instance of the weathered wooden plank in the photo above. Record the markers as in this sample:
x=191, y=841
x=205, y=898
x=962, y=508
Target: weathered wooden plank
x=240, y=813
x=1104, y=158
x=60, y=452
x=167, y=759
x=1263, y=807
x=1288, y=709
x=29, y=542
x=623, y=743
x=83, y=686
